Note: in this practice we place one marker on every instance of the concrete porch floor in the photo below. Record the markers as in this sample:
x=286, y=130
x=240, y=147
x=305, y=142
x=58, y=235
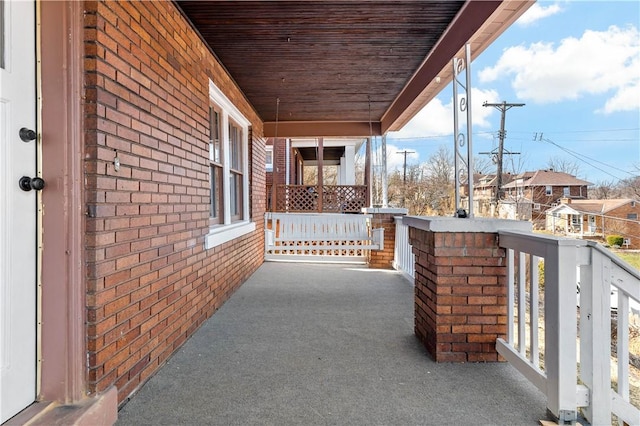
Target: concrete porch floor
x=312, y=344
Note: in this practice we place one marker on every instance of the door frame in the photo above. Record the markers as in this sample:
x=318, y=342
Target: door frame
x=62, y=292
x=63, y=381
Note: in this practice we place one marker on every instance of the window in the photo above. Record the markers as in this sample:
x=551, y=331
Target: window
x=536, y=206
x=575, y=220
x=633, y=204
x=565, y=191
x=632, y=216
x=228, y=171
x=549, y=190
x=269, y=161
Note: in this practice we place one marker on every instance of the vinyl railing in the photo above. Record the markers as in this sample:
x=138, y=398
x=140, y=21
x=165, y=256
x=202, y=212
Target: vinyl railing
x=551, y=360
x=403, y=257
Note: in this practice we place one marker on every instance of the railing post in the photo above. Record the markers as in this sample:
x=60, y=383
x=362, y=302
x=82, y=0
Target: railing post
x=560, y=342
x=595, y=336
x=460, y=286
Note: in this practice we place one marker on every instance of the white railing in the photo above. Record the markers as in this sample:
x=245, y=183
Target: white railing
x=403, y=257
x=551, y=360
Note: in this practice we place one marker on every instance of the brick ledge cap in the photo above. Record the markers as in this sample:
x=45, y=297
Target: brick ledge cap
x=454, y=224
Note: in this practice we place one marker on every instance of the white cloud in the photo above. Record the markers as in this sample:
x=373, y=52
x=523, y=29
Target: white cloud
x=538, y=12
x=436, y=118
x=395, y=158
x=600, y=62
x=626, y=99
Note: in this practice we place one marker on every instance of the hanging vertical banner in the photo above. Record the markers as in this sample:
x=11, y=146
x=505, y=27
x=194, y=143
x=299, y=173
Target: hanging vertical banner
x=463, y=164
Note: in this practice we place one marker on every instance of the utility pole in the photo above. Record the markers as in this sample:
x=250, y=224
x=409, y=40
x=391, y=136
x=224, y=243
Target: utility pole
x=404, y=166
x=404, y=180
x=503, y=108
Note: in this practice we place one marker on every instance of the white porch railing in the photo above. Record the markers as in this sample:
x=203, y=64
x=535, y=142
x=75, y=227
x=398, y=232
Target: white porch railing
x=553, y=367
x=403, y=257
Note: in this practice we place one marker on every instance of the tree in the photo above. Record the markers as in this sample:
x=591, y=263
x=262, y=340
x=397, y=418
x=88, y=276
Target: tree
x=483, y=165
x=630, y=187
x=439, y=184
x=558, y=164
x=428, y=189
x=605, y=190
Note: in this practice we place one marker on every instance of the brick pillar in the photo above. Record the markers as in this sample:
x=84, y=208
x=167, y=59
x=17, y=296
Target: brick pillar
x=460, y=286
x=383, y=218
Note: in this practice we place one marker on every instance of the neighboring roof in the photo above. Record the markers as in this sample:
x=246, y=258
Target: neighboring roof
x=591, y=206
x=489, y=180
x=335, y=66
x=546, y=177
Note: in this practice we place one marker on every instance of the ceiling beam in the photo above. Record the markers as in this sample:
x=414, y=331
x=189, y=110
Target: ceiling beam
x=292, y=129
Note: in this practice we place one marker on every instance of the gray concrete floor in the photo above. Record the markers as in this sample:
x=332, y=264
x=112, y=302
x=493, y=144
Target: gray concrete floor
x=318, y=344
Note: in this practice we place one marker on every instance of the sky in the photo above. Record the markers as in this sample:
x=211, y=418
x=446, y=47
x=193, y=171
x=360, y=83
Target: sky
x=576, y=67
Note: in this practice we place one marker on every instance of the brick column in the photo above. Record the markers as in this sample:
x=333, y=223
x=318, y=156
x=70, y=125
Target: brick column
x=383, y=218
x=460, y=286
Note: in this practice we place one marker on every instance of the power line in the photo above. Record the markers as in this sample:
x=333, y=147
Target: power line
x=580, y=156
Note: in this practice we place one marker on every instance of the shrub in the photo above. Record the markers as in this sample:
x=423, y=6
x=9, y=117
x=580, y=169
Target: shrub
x=615, y=240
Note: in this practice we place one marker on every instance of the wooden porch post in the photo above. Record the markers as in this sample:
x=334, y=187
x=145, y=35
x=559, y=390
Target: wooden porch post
x=367, y=173
x=320, y=173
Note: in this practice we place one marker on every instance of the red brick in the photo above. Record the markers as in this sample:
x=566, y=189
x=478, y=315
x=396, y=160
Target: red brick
x=153, y=117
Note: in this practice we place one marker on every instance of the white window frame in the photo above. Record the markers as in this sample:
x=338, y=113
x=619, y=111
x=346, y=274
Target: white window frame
x=548, y=190
x=230, y=229
x=269, y=165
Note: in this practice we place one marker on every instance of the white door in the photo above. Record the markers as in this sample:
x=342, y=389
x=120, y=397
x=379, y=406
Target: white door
x=17, y=208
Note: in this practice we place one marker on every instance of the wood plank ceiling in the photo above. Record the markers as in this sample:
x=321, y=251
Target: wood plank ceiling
x=335, y=66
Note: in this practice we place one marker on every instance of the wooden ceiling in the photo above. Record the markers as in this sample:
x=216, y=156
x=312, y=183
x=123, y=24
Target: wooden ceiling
x=339, y=68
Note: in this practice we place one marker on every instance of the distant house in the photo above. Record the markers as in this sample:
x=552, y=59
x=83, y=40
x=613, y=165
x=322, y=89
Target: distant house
x=484, y=192
x=539, y=191
x=597, y=218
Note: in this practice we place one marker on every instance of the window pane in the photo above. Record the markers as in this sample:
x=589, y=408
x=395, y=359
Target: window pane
x=235, y=181
x=269, y=160
x=235, y=145
x=216, y=194
x=215, y=135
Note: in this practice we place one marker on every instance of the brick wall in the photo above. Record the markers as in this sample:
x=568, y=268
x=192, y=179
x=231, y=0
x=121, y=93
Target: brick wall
x=616, y=223
x=150, y=284
x=384, y=218
x=460, y=287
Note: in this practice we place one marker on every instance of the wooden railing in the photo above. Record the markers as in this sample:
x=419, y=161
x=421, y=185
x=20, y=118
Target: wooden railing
x=550, y=360
x=403, y=257
x=560, y=299
x=317, y=198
